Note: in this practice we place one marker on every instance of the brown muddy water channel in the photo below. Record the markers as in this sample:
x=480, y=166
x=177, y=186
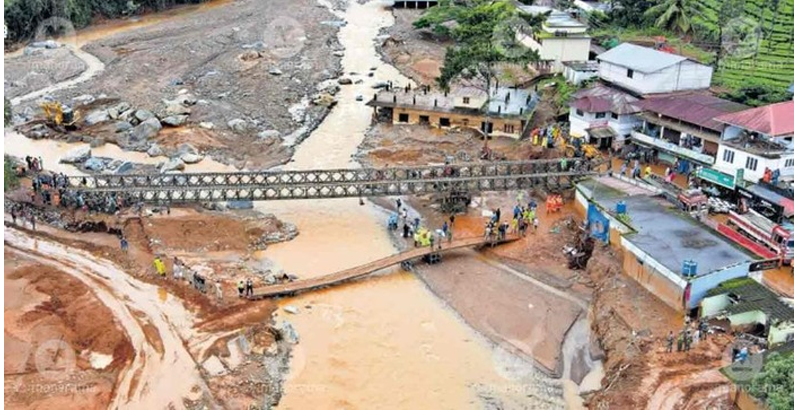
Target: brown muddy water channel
x=385, y=342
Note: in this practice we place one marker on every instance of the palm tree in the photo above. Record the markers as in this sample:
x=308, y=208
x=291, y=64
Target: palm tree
x=673, y=15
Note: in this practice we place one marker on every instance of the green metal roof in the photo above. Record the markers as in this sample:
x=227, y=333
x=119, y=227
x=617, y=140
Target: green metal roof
x=752, y=296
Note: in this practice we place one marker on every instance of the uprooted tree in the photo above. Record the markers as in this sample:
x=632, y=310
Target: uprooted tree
x=486, y=34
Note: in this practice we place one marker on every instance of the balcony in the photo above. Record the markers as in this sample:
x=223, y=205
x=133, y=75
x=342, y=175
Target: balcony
x=671, y=148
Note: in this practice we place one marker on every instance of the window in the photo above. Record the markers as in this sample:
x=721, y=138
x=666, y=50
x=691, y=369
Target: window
x=444, y=122
x=614, y=116
x=508, y=128
x=789, y=163
x=579, y=112
x=600, y=115
x=402, y=118
x=424, y=119
x=466, y=100
x=751, y=164
x=727, y=156
x=630, y=73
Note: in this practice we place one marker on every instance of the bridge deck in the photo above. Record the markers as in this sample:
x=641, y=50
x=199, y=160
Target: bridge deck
x=363, y=270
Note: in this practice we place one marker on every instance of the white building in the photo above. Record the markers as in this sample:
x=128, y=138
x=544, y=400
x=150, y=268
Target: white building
x=576, y=72
x=603, y=115
x=757, y=139
x=560, y=39
x=643, y=70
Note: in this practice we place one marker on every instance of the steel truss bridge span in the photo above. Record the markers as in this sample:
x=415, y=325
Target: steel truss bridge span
x=338, y=183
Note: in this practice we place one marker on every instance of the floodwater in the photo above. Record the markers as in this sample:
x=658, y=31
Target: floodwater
x=52, y=151
x=386, y=342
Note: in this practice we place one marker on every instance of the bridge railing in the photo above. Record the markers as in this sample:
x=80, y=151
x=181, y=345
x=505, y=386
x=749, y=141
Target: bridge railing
x=279, y=179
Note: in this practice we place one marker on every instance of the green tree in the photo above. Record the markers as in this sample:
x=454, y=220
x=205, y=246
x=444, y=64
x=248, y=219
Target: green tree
x=755, y=93
x=630, y=13
x=673, y=15
x=485, y=33
x=728, y=11
x=775, y=383
x=10, y=180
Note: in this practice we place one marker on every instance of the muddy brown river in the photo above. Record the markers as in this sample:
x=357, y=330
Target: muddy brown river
x=385, y=342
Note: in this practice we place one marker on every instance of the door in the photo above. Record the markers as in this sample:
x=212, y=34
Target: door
x=487, y=128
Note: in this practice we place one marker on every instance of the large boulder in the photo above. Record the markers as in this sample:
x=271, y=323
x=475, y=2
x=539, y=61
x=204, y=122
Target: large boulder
x=238, y=125
x=94, y=164
x=275, y=71
x=122, y=126
x=138, y=137
x=83, y=99
x=174, y=120
x=155, y=150
x=324, y=100
x=174, y=164
x=190, y=158
x=77, y=155
x=97, y=142
x=244, y=204
x=186, y=148
x=143, y=115
x=269, y=134
x=345, y=81
x=96, y=117
x=178, y=106
x=207, y=125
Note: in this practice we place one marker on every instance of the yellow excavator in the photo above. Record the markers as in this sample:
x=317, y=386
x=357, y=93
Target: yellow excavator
x=575, y=147
x=57, y=115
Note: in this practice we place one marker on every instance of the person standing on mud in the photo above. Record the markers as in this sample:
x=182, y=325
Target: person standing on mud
x=249, y=289
x=670, y=340
x=218, y=287
x=452, y=220
x=535, y=224
x=399, y=204
x=14, y=215
x=123, y=244
x=160, y=268
x=680, y=341
x=33, y=221
x=240, y=286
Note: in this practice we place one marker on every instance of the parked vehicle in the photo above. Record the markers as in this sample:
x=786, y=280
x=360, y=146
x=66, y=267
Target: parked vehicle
x=777, y=237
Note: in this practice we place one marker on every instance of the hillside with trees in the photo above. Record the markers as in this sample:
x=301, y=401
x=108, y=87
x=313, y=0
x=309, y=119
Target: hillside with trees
x=749, y=42
x=24, y=17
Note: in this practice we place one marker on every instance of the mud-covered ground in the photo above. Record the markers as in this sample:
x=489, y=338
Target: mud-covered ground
x=62, y=345
x=238, y=60
x=418, y=54
x=38, y=69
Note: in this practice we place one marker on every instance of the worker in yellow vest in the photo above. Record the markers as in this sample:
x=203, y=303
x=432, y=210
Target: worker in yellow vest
x=161, y=270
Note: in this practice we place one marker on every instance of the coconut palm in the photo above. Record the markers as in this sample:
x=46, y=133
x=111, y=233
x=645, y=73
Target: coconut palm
x=673, y=15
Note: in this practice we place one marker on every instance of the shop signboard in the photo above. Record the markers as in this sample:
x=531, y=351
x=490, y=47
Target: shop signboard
x=716, y=177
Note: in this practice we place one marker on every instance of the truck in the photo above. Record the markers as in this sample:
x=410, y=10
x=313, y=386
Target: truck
x=778, y=238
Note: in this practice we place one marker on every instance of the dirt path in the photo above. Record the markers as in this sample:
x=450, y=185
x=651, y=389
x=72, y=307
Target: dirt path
x=93, y=67
x=163, y=372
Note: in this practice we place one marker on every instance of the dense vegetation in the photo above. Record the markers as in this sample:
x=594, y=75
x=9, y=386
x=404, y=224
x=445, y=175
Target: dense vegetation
x=10, y=179
x=775, y=383
x=24, y=17
x=750, y=42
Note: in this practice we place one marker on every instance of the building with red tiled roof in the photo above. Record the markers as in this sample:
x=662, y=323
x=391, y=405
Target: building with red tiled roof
x=681, y=126
x=775, y=120
x=758, y=139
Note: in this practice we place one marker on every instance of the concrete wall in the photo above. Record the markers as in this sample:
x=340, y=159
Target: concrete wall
x=576, y=77
x=686, y=75
x=713, y=305
x=778, y=333
x=747, y=318
x=740, y=160
x=459, y=120
x=578, y=124
x=702, y=284
x=560, y=49
x=616, y=228
x=651, y=275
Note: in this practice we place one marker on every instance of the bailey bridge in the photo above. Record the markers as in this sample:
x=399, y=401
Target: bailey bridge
x=464, y=178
